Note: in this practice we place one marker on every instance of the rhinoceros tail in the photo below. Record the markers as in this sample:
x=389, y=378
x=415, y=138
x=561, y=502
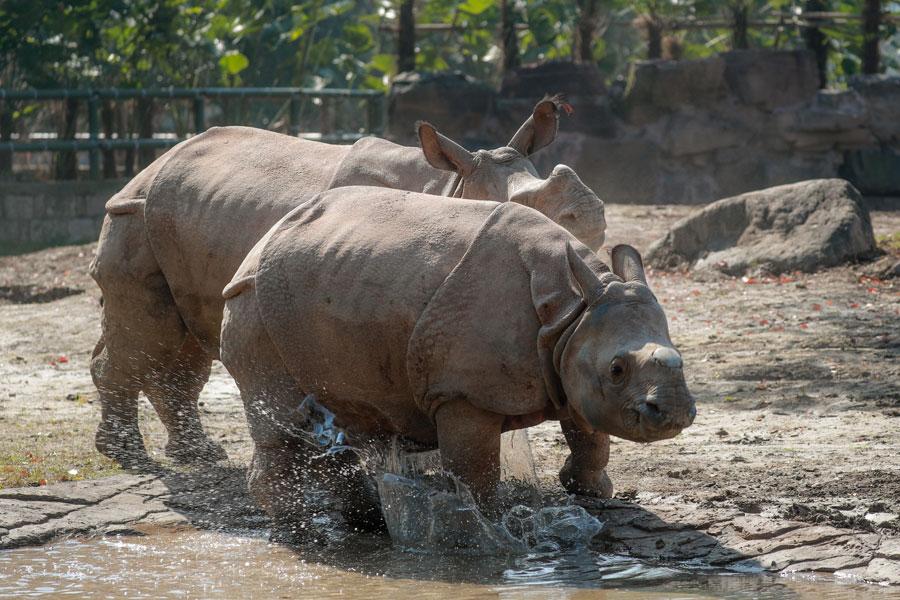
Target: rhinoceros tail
x=124, y=206
x=236, y=287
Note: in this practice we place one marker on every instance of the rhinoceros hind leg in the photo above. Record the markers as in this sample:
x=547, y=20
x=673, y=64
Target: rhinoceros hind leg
x=469, y=440
x=173, y=391
x=142, y=332
x=584, y=472
x=118, y=436
x=285, y=460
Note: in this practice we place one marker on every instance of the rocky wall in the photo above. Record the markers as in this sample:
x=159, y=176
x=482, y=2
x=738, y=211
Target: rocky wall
x=682, y=132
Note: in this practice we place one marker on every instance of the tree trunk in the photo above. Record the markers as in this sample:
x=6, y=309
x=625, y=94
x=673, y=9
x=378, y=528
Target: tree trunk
x=588, y=21
x=145, y=109
x=871, y=22
x=107, y=118
x=741, y=13
x=67, y=160
x=817, y=42
x=654, y=38
x=406, y=38
x=6, y=129
x=508, y=40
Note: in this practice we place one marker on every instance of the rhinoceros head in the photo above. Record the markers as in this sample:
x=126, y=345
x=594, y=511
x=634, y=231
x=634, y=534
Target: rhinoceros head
x=507, y=174
x=619, y=369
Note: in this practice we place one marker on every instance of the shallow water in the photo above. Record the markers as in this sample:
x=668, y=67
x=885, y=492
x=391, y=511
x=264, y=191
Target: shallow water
x=205, y=564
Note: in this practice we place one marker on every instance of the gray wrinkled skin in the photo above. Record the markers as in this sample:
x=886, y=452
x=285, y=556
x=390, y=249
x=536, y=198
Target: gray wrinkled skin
x=445, y=323
x=174, y=236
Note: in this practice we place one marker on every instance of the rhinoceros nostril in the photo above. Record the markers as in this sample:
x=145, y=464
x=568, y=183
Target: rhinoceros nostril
x=650, y=410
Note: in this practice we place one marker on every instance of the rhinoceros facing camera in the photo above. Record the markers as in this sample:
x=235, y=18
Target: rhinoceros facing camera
x=445, y=323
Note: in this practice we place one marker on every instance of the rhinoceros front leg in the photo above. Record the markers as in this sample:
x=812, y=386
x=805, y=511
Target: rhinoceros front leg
x=469, y=440
x=585, y=469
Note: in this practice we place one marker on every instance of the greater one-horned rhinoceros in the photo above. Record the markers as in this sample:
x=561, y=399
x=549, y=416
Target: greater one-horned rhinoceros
x=445, y=323
x=173, y=237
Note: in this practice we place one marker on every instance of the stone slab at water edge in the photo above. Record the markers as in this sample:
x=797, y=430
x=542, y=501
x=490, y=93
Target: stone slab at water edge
x=803, y=226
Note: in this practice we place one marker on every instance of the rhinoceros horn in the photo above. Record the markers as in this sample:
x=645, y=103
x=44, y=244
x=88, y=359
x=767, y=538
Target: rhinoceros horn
x=587, y=281
x=443, y=153
x=540, y=128
x=627, y=264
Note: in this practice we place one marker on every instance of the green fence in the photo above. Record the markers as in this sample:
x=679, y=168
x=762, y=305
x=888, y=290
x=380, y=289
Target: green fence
x=94, y=143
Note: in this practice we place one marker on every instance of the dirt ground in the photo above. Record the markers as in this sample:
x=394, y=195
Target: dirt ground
x=797, y=381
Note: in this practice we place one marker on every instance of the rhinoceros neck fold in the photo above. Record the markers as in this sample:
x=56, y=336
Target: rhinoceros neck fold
x=555, y=333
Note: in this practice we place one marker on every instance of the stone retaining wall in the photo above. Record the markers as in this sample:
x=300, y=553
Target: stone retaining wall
x=37, y=214
x=682, y=132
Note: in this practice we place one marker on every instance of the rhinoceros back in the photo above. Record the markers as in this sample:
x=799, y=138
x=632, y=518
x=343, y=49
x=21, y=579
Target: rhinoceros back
x=341, y=283
x=213, y=200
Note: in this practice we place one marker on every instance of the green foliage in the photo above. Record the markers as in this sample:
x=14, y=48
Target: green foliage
x=346, y=43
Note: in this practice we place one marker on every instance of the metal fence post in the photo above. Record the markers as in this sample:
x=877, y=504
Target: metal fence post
x=294, y=115
x=373, y=106
x=94, y=134
x=199, y=113
x=6, y=127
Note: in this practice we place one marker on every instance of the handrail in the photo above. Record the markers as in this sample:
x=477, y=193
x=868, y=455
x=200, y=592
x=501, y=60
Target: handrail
x=95, y=143
x=172, y=92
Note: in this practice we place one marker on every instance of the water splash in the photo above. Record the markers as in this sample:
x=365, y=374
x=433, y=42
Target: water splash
x=429, y=510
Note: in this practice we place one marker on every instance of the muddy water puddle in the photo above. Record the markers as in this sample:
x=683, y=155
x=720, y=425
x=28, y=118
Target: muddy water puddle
x=190, y=563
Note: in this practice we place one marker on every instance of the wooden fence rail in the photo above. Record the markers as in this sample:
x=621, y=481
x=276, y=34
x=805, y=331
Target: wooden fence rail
x=94, y=143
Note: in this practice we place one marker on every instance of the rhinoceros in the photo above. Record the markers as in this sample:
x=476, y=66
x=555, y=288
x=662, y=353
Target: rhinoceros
x=444, y=323
x=175, y=234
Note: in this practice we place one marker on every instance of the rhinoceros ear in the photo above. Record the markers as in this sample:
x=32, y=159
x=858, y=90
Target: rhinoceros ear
x=588, y=283
x=443, y=153
x=627, y=263
x=540, y=128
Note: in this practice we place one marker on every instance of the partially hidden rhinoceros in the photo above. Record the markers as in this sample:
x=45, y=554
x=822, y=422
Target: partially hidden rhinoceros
x=175, y=234
x=444, y=323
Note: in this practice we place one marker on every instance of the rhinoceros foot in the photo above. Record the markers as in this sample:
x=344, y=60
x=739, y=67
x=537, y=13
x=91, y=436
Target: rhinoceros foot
x=124, y=444
x=585, y=482
x=194, y=449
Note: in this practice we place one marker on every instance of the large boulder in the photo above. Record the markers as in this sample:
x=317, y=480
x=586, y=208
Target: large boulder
x=797, y=227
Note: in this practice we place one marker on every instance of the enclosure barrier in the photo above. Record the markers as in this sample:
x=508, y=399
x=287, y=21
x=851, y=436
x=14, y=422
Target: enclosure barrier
x=95, y=144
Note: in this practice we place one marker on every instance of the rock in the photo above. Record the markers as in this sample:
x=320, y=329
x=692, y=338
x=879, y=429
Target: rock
x=658, y=86
x=616, y=169
x=804, y=226
x=874, y=171
x=90, y=491
x=828, y=111
x=879, y=570
x=572, y=80
x=881, y=94
x=689, y=133
x=832, y=119
x=455, y=103
x=771, y=78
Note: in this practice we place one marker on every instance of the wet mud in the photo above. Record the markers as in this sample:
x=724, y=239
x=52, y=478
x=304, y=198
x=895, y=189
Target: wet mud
x=792, y=465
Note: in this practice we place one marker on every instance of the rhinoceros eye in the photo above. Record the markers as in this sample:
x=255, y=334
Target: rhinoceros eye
x=617, y=370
